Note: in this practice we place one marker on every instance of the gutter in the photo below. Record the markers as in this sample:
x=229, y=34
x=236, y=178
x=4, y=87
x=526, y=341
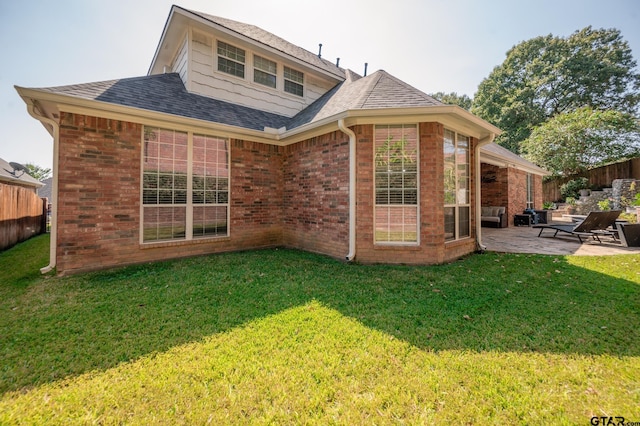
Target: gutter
x=352, y=189
x=55, y=131
x=478, y=186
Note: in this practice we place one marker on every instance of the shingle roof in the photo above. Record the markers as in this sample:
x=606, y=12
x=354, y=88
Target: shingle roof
x=510, y=157
x=272, y=40
x=375, y=91
x=23, y=179
x=166, y=93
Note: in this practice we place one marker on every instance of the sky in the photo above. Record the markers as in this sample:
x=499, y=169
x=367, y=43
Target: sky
x=434, y=45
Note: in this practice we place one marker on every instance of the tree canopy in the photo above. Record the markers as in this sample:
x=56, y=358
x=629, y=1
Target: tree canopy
x=547, y=76
x=453, y=98
x=571, y=142
x=37, y=172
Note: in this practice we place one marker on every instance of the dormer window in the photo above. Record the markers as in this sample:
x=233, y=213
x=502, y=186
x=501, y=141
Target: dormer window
x=264, y=71
x=293, y=81
x=230, y=59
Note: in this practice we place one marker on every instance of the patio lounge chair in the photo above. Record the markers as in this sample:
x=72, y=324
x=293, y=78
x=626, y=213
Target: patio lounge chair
x=594, y=225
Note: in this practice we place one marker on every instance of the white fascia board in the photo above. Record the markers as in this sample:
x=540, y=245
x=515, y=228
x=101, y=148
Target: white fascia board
x=503, y=163
x=161, y=43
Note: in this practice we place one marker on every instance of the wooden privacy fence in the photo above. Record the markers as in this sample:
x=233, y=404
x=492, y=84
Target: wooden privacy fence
x=22, y=215
x=600, y=177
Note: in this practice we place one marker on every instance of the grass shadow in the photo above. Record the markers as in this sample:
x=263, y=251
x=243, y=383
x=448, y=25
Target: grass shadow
x=64, y=326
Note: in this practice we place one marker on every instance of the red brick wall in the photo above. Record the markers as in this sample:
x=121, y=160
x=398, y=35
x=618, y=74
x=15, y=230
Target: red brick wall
x=99, y=198
x=517, y=193
x=509, y=189
x=316, y=198
x=494, y=185
x=295, y=196
x=432, y=248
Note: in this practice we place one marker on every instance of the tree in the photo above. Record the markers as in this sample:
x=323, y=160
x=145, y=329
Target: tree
x=453, y=98
x=546, y=76
x=37, y=172
x=571, y=142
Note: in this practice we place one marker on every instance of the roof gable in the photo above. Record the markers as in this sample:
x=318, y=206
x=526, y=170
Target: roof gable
x=180, y=18
x=376, y=91
x=271, y=40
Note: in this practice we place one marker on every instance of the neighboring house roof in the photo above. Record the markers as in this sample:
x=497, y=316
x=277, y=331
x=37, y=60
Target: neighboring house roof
x=8, y=175
x=273, y=41
x=502, y=157
x=45, y=191
x=166, y=93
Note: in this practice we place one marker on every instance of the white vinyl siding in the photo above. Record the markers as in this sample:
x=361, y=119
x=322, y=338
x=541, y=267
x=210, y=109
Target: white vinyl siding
x=205, y=79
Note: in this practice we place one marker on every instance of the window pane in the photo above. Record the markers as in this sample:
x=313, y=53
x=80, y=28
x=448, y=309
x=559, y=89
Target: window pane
x=209, y=221
x=230, y=67
x=165, y=189
x=230, y=52
x=293, y=75
x=293, y=81
x=264, y=64
x=264, y=78
x=163, y=223
x=449, y=223
x=293, y=88
x=464, y=224
x=396, y=183
x=456, y=185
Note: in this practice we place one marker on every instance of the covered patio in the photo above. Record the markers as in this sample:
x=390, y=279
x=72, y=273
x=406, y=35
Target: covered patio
x=524, y=239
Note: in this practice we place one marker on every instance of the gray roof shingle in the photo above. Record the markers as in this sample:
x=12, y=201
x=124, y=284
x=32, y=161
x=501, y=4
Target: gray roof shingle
x=375, y=91
x=166, y=93
x=273, y=41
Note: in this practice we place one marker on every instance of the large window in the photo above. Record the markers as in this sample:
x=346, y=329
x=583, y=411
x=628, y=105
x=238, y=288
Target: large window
x=264, y=71
x=457, y=202
x=530, y=203
x=230, y=59
x=293, y=81
x=396, y=184
x=185, y=186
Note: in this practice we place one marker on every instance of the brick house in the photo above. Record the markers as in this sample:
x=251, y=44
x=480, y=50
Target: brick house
x=237, y=139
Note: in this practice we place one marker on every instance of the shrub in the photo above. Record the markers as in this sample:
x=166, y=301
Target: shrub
x=572, y=188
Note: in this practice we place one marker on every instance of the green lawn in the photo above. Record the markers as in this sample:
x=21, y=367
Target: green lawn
x=283, y=336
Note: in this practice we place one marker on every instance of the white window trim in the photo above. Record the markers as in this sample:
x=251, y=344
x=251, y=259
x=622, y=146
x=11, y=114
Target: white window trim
x=457, y=206
x=375, y=205
x=189, y=205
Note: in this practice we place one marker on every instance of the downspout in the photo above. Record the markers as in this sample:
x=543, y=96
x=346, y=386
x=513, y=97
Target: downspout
x=489, y=139
x=54, y=186
x=352, y=188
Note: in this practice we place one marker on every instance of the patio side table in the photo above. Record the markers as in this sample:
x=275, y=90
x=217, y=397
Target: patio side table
x=522, y=220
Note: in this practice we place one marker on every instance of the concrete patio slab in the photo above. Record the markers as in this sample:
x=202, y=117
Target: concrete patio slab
x=523, y=239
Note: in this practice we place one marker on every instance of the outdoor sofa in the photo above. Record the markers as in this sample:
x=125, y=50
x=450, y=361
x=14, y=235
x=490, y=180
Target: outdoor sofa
x=493, y=216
